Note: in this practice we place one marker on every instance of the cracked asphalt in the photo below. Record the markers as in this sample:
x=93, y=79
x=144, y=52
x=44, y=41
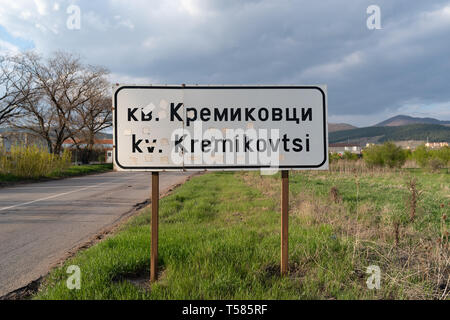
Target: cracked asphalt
x=41, y=222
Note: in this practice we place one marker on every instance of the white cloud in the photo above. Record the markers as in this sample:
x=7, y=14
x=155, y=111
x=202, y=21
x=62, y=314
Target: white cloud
x=192, y=7
x=41, y=6
x=127, y=79
x=126, y=23
x=8, y=48
x=334, y=68
x=25, y=15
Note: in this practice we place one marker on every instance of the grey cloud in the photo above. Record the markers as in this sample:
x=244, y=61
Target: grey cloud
x=246, y=42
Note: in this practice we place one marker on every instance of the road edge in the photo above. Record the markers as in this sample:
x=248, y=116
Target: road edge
x=25, y=292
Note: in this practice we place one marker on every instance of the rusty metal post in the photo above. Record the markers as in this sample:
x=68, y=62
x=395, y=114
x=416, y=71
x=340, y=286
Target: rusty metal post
x=284, y=221
x=154, y=222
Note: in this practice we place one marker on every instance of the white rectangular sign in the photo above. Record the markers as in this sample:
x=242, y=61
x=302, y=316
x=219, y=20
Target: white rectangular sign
x=160, y=128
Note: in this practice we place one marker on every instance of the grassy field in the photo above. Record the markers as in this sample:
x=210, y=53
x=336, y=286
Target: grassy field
x=220, y=239
x=69, y=172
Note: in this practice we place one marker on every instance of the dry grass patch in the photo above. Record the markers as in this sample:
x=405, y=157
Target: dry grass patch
x=396, y=233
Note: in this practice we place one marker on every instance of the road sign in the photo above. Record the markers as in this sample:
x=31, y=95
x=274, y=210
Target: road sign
x=160, y=128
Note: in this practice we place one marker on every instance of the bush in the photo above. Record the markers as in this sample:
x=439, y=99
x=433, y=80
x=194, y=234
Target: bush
x=373, y=157
x=101, y=158
x=421, y=156
x=86, y=155
x=32, y=162
x=334, y=157
x=350, y=156
x=435, y=164
x=442, y=154
x=434, y=159
x=387, y=154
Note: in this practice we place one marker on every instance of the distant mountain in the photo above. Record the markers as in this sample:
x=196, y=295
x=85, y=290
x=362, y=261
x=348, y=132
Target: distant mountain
x=432, y=132
x=333, y=127
x=402, y=120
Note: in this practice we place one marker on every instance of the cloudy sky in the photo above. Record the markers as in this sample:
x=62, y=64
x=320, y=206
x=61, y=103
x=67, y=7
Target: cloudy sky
x=402, y=68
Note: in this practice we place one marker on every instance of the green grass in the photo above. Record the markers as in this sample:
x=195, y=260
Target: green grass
x=69, y=172
x=415, y=268
x=83, y=170
x=387, y=191
x=220, y=239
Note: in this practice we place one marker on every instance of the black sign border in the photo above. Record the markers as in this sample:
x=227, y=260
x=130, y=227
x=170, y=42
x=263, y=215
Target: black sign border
x=224, y=166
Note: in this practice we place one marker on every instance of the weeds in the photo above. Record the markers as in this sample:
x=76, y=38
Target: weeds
x=32, y=162
x=413, y=254
x=334, y=195
x=413, y=198
x=396, y=224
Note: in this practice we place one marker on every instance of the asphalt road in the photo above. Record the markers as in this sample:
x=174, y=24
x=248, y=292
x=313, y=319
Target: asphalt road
x=41, y=222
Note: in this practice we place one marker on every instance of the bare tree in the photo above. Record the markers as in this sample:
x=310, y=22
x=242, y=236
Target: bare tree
x=94, y=116
x=61, y=85
x=14, y=90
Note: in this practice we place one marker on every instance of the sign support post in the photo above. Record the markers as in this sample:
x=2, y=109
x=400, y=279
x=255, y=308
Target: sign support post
x=284, y=221
x=155, y=212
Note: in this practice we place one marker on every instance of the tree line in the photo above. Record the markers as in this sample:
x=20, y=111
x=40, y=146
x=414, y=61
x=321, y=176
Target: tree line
x=392, y=156
x=57, y=98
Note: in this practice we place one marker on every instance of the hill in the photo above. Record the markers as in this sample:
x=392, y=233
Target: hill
x=332, y=127
x=432, y=132
x=402, y=120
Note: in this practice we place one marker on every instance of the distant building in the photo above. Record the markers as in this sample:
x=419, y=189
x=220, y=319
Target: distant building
x=12, y=136
x=341, y=148
x=436, y=145
x=409, y=144
x=413, y=144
